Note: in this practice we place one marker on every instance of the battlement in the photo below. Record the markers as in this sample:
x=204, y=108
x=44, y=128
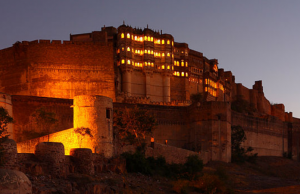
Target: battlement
x=59, y=42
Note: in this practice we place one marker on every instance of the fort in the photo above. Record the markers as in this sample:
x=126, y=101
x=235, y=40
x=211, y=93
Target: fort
x=83, y=80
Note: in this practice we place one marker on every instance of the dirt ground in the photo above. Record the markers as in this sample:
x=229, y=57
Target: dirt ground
x=267, y=175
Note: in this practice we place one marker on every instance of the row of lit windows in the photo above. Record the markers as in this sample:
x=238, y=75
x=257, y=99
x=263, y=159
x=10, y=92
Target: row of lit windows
x=157, y=54
x=195, y=80
x=210, y=83
x=211, y=91
x=146, y=38
x=182, y=74
x=176, y=63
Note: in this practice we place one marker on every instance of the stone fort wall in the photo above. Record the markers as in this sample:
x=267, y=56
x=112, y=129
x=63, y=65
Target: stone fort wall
x=54, y=69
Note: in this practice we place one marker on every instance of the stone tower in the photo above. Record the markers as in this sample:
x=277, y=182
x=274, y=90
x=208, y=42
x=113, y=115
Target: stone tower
x=95, y=113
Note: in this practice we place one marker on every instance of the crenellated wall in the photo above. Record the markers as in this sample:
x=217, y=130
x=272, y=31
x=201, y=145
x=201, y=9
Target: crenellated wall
x=62, y=70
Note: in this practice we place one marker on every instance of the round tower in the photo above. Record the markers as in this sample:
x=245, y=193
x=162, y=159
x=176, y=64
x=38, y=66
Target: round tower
x=95, y=113
x=5, y=102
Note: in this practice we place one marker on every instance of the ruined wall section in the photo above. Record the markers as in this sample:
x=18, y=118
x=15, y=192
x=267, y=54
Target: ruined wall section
x=25, y=106
x=267, y=135
x=61, y=70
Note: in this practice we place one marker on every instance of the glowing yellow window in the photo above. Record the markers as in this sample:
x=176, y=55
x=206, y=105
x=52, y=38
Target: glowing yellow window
x=152, y=52
x=141, y=52
x=145, y=51
x=182, y=74
x=205, y=89
x=182, y=63
x=141, y=39
x=138, y=51
x=146, y=38
x=159, y=54
x=163, y=54
x=172, y=43
x=206, y=81
x=151, y=39
x=158, y=41
x=133, y=63
x=168, y=41
x=168, y=67
x=186, y=64
x=135, y=37
x=122, y=48
x=175, y=63
x=128, y=48
x=128, y=62
x=122, y=35
x=174, y=73
x=163, y=42
x=177, y=73
x=145, y=63
x=152, y=64
x=163, y=67
x=168, y=54
x=186, y=74
x=123, y=61
x=128, y=35
x=132, y=37
x=172, y=67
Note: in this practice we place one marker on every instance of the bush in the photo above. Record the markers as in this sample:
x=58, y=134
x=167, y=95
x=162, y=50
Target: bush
x=150, y=166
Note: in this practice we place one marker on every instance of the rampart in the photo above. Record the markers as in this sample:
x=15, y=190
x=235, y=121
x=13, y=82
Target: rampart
x=62, y=70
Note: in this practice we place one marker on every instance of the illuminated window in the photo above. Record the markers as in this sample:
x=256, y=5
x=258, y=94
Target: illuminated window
x=158, y=41
x=122, y=35
x=141, y=52
x=163, y=42
x=123, y=61
x=186, y=74
x=163, y=67
x=133, y=63
x=152, y=64
x=172, y=67
x=206, y=81
x=205, y=89
x=132, y=37
x=168, y=41
x=177, y=62
x=145, y=63
x=128, y=62
x=168, y=54
x=146, y=38
x=151, y=52
x=138, y=51
x=159, y=54
x=182, y=63
x=135, y=38
x=141, y=39
x=151, y=39
x=128, y=48
x=145, y=51
x=122, y=48
x=163, y=54
x=177, y=73
x=172, y=43
x=128, y=35
x=186, y=64
x=182, y=74
x=168, y=67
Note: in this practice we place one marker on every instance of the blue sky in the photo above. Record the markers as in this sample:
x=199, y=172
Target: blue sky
x=255, y=39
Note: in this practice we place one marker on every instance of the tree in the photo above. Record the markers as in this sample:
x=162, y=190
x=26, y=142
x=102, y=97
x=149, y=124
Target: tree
x=132, y=125
x=238, y=153
x=81, y=133
x=5, y=119
x=44, y=120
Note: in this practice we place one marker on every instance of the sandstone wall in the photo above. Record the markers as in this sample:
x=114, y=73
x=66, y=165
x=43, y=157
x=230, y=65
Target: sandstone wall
x=54, y=69
x=5, y=102
x=25, y=106
x=268, y=136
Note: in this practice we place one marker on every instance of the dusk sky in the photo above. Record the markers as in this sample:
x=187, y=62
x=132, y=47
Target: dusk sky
x=255, y=39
